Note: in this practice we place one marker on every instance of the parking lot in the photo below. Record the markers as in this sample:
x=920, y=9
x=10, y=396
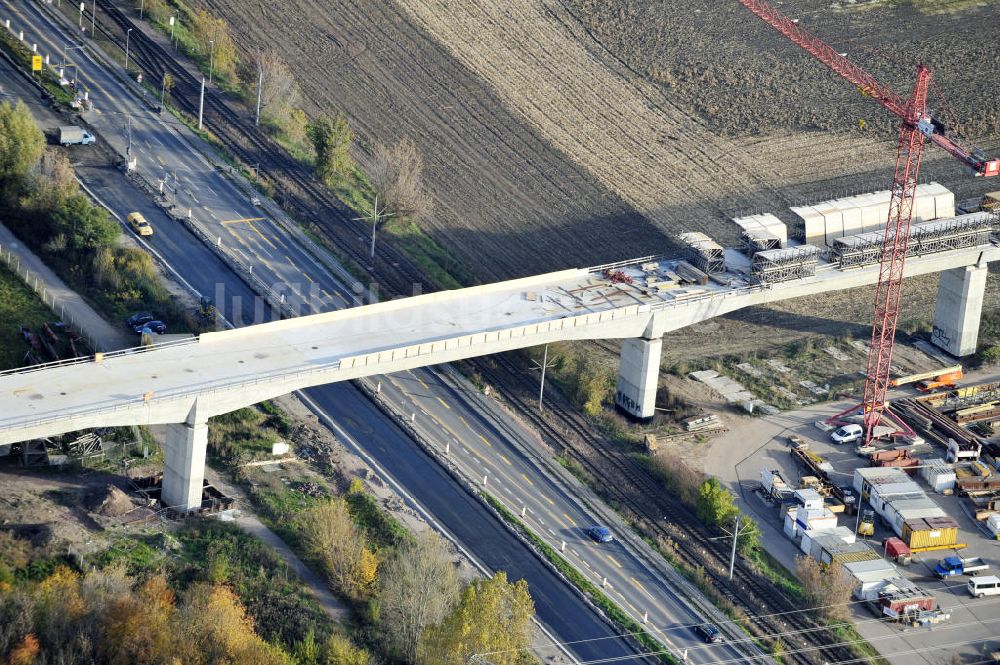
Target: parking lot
x=974, y=628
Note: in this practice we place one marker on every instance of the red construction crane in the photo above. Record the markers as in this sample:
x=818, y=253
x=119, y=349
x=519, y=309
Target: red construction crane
x=916, y=126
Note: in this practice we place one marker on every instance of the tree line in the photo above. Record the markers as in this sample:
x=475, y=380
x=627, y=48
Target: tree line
x=41, y=203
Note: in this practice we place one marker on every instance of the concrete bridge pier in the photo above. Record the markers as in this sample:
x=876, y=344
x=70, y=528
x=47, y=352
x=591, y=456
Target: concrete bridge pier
x=638, y=375
x=959, y=306
x=184, y=462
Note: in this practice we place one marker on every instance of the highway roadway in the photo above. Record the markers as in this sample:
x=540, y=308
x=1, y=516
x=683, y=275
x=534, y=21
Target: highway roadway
x=554, y=514
x=192, y=178
x=361, y=425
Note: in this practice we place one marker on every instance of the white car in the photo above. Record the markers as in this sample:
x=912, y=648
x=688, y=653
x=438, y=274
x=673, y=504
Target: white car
x=847, y=434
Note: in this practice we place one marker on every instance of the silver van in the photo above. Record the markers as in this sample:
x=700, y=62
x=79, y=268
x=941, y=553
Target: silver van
x=987, y=585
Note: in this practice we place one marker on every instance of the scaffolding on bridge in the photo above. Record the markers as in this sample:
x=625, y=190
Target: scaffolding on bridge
x=927, y=238
x=706, y=254
x=781, y=265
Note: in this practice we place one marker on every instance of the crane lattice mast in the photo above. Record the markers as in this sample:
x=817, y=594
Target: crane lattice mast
x=917, y=125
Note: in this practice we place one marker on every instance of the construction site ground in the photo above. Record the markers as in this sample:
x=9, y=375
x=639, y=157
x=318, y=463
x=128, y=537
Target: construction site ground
x=581, y=132
x=737, y=456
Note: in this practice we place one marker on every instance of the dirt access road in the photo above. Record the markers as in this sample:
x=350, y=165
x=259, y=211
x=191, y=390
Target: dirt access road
x=565, y=132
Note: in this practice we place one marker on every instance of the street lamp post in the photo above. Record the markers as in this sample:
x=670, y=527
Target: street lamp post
x=211, y=58
x=82, y=5
x=142, y=6
x=93, y=21
x=127, y=33
x=173, y=20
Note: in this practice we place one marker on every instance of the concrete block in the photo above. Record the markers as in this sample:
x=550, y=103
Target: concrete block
x=638, y=376
x=959, y=306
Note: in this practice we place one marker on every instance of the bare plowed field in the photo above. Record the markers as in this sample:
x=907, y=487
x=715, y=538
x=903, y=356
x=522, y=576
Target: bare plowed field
x=567, y=132
x=506, y=201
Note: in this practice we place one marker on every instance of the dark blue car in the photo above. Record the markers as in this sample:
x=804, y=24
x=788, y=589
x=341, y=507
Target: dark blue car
x=600, y=534
x=158, y=327
x=709, y=633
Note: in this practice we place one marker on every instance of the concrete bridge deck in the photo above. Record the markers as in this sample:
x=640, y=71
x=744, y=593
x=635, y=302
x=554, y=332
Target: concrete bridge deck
x=236, y=368
x=188, y=382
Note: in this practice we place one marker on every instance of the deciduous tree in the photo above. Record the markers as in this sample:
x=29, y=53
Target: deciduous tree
x=492, y=617
x=332, y=139
x=715, y=503
x=827, y=588
x=279, y=92
x=418, y=586
x=340, y=651
x=397, y=174
x=331, y=534
x=21, y=141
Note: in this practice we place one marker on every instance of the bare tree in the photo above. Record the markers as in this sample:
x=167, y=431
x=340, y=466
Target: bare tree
x=418, y=586
x=279, y=92
x=827, y=588
x=397, y=174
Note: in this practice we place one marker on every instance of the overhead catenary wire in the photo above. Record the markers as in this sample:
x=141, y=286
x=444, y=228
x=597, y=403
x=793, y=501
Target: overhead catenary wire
x=885, y=620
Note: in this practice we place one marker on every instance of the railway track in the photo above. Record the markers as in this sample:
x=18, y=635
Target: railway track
x=630, y=486
x=300, y=193
x=297, y=190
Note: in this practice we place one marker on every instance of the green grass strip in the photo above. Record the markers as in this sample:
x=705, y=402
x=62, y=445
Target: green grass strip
x=596, y=596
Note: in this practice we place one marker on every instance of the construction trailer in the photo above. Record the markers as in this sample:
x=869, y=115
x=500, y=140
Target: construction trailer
x=927, y=534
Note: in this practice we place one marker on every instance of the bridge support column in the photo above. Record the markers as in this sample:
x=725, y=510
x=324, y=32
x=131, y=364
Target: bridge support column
x=638, y=376
x=184, y=463
x=959, y=306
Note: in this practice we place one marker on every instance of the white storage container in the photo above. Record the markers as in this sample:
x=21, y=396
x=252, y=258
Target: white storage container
x=791, y=529
x=993, y=524
x=868, y=476
x=815, y=520
x=870, y=574
x=809, y=499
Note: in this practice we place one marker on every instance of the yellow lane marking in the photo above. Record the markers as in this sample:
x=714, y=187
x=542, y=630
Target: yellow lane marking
x=570, y=519
x=549, y=500
x=637, y=583
x=160, y=160
x=530, y=481
x=292, y=263
x=443, y=403
x=250, y=223
x=485, y=441
x=613, y=560
x=504, y=458
x=248, y=220
x=464, y=422
x=423, y=383
x=308, y=278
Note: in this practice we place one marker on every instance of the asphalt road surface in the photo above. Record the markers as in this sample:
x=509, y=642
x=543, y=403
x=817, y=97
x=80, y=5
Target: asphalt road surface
x=164, y=150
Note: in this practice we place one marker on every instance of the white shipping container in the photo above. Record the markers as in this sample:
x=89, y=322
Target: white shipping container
x=871, y=571
x=815, y=542
x=872, y=475
x=809, y=499
x=993, y=524
x=815, y=520
x=791, y=528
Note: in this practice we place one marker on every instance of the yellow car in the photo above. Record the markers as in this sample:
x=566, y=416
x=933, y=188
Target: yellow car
x=139, y=223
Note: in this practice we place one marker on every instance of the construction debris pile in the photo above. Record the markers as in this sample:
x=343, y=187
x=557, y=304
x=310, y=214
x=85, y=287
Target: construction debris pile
x=56, y=341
